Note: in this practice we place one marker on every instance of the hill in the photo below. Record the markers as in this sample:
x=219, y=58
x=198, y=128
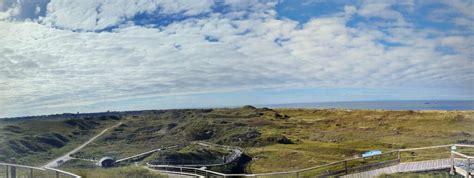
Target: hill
x=302, y=137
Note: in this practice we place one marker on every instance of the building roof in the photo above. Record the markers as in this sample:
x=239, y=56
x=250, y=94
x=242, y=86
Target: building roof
x=106, y=158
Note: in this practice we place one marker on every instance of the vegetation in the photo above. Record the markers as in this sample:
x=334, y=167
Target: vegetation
x=35, y=141
x=120, y=172
x=194, y=154
x=329, y=135
x=301, y=137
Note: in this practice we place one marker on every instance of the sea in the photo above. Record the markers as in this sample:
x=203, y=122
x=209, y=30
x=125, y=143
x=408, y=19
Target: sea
x=384, y=105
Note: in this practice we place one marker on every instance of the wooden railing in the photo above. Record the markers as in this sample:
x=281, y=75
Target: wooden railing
x=462, y=164
x=235, y=153
x=8, y=170
x=339, y=168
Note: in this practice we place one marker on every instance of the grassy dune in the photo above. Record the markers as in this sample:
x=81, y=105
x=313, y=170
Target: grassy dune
x=36, y=141
x=324, y=136
x=276, y=139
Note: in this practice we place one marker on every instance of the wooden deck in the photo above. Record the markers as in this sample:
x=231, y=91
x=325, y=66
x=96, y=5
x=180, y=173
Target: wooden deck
x=461, y=167
x=405, y=167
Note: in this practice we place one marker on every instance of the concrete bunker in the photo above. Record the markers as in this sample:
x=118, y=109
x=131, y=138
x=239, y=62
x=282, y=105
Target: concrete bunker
x=106, y=162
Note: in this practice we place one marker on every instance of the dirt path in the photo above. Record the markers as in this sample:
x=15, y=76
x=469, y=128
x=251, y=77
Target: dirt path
x=66, y=157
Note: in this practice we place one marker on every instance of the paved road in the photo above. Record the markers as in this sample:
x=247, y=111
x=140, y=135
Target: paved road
x=66, y=157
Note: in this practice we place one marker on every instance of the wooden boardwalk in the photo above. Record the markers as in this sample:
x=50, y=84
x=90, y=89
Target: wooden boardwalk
x=144, y=154
x=404, y=167
x=458, y=160
x=138, y=155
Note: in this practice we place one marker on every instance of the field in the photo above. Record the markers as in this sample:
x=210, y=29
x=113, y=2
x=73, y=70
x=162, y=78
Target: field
x=301, y=137
x=120, y=172
x=324, y=136
x=35, y=141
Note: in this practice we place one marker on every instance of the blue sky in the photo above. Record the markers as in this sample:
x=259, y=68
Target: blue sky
x=86, y=56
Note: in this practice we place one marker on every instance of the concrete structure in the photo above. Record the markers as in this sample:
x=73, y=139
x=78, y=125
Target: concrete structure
x=106, y=162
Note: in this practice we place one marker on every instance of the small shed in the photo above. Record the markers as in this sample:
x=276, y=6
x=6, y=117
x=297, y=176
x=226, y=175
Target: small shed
x=371, y=153
x=106, y=162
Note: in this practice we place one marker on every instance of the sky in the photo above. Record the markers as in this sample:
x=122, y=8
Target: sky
x=60, y=56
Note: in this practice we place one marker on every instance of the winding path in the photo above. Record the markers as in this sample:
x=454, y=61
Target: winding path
x=66, y=157
x=140, y=155
x=235, y=153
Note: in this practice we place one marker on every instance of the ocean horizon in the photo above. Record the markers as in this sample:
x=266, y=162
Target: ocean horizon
x=448, y=105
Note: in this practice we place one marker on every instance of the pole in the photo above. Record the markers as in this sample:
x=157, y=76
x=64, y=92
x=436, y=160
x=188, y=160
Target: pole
x=6, y=172
x=468, y=166
x=452, y=163
x=31, y=173
x=345, y=167
x=13, y=168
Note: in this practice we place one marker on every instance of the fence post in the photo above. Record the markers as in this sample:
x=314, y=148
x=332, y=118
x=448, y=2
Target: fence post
x=345, y=168
x=57, y=174
x=6, y=171
x=468, y=166
x=452, y=163
x=31, y=173
x=13, y=168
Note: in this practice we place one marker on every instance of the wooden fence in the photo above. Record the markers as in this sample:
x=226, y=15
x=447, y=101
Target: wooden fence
x=345, y=167
x=8, y=170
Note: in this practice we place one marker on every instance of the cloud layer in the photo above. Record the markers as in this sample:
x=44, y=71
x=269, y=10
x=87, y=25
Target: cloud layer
x=80, y=53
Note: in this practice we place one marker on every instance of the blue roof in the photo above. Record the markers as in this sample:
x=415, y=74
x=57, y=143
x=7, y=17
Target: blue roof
x=372, y=153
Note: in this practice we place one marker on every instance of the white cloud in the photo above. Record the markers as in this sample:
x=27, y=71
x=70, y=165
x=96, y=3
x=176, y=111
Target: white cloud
x=100, y=14
x=44, y=67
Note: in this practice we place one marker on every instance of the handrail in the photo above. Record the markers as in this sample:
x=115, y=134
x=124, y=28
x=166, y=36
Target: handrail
x=310, y=168
x=464, y=145
x=145, y=153
x=22, y=166
x=181, y=167
x=181, y=173
x=425, y=148
x=41, y=169
x=236, y=152
x=63, y=172
x=462, y=155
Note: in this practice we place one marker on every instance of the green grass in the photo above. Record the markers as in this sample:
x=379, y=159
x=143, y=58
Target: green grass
x=36, y=141
x=120, y=172
x=89, y=169
x=191, y=154
x=301, y=137
x=324, y=136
